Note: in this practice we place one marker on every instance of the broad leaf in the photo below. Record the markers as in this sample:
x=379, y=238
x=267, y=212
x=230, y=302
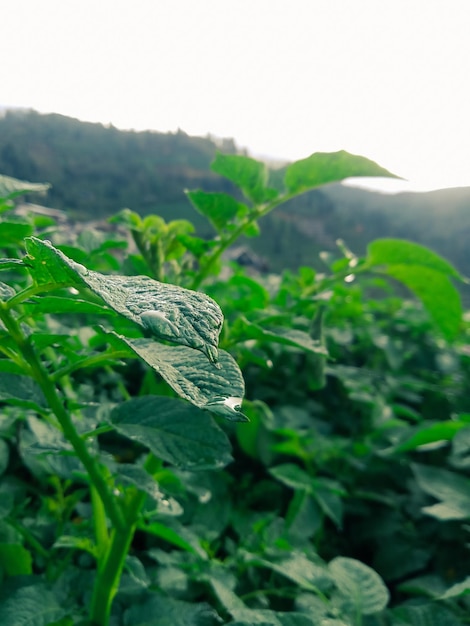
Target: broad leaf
x=360, y=584
x=168, y=612
x=168, y=312
x=247, y=173
x=219, y=208
x=453, y=490
x=193, y=377
x=174, y=431
x=12, y=187
x=402, y=252
x=327, y=167
x=32, y=605
x=438, y=295
x=20, y=390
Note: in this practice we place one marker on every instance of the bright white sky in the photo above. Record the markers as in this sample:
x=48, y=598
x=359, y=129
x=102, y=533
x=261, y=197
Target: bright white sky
x=386, y=79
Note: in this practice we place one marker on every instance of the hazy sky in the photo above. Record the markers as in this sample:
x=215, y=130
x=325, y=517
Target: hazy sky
x=386, y=79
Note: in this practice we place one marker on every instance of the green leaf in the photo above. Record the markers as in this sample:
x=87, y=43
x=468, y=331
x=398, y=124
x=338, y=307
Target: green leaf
x=438, y=295
x=168, y=612
x=247, y=173
x=359, y=584
x=456, y=591
x=20, y=390
x=327, y=167
x=286, y=336
x=402, y=252
x=453, y=490
x=175, y=534
x=220, y=208
x=4, y=456
x=193, y=377
x=167, y=311
x=136, y=476
x=298, y=568
x=13, y=231
x=430, y=614
x=440, y=431
x=12, y=187
x=6, y=291
x=265, y=617
x=56, y=304
x=32, y=605
x=174, y=431
x=292, y=476
x=15, y=560
x=10, y=264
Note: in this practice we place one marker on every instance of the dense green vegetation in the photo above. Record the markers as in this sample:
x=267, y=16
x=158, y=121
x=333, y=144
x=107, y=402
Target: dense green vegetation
x=134, y=490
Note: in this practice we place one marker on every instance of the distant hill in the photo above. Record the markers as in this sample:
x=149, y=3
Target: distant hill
x=96, y=170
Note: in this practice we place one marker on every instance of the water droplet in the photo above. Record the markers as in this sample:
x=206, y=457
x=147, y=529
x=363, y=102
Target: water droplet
x=158, y=323
x=235, y=404
x=204, y=496
x=74, y=291
x=79, y=268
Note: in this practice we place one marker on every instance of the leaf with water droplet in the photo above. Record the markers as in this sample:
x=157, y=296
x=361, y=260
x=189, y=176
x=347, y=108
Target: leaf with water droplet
x=192, y=376
x=136, y=476
x=174, y=430
x=167, y=311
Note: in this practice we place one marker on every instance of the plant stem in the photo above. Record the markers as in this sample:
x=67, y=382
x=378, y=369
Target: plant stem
x=111, y=565
x=109, y=575
x=55, y=404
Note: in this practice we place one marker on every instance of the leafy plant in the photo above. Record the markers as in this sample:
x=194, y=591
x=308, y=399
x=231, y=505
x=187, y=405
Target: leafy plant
x=115, y=505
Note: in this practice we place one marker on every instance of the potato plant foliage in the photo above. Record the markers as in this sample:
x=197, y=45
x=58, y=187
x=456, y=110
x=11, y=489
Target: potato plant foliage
x=186, y=442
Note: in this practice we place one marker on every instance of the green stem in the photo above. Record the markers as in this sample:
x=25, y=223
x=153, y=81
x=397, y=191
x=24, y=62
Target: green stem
x=255, y=214
x=112, y=564
x=109, y=575
x=52, y=396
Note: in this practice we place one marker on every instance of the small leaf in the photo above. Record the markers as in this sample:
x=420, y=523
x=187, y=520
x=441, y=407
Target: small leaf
x=402, y=252
x=12, y=187
x=174, y=431
x=247, y=173
x=360, y=584
x=6, y=291
x=450, y=488
x=327, y=167
x=167, y=311
x=193, y=377
x=219, y=208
